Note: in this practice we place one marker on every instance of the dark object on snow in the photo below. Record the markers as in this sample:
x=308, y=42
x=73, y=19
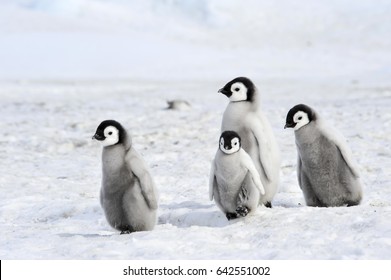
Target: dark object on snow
x=178, y=104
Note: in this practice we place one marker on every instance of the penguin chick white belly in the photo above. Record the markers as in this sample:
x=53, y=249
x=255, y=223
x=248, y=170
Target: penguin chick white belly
x=230, y=176
x=326, y=179
x=121, y=198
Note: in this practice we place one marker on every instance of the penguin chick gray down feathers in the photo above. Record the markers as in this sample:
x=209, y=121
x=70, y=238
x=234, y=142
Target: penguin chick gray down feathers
x=244, y=116
x=234, y=183
x=128, y=193
x=326, y=172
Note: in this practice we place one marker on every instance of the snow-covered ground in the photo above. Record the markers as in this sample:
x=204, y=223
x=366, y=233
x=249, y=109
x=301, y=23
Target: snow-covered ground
x=67, y=65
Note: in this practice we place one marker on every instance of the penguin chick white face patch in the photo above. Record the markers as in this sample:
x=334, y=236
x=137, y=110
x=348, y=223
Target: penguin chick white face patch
x=230, y=148
x=300, y=119
x=239, y=92
x=112, y=136
x=235, y=145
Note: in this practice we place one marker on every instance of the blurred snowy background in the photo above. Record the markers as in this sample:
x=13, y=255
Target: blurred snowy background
x=66, y=65
x=172, y=39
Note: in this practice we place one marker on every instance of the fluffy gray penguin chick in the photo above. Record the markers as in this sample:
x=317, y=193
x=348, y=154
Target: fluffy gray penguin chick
x=244, y=116
x=234, y=183
x=128, y=194
x=326, y=172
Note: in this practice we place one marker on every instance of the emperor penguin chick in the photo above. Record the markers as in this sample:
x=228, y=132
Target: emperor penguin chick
x=128, y=194
x=234, y=183
x=244, y=116
x=326, y=172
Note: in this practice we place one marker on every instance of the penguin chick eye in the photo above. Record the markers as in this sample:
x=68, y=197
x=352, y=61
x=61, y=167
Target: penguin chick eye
x=236, y=89
x=300, y=118
x=110, y=132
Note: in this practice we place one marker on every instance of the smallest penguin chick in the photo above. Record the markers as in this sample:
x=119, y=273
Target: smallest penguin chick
x=234, y=183
x=128, y=195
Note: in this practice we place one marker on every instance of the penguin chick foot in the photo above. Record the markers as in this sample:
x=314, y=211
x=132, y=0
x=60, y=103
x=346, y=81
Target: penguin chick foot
x=268, y=204
x=126, y=231
x=352, y=203
x=242, y=211
x=231, y=216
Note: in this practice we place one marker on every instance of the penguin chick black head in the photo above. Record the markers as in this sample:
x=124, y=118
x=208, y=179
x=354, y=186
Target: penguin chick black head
x=230, y=142
x=299, y=116
x=110, y=132
x=239, y=89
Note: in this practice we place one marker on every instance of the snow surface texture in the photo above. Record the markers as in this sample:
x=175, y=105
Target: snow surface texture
x=68, y=65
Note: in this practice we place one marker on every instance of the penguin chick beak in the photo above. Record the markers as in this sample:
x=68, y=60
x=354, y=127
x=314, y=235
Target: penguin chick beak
x=225, y=92
x=98, y=137
x=289, y=125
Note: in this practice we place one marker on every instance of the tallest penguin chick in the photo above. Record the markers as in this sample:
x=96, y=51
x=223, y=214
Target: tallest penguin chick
x=244, y=116
x=128, y=194
x=326, y=171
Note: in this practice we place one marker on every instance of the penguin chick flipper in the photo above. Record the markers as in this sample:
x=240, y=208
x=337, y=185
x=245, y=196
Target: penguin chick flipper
x=140, y=170
x=212, y=180
x=339, y=140
x=299, y=167
x=264, y=147
x=347, y=157
x=249, y=164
